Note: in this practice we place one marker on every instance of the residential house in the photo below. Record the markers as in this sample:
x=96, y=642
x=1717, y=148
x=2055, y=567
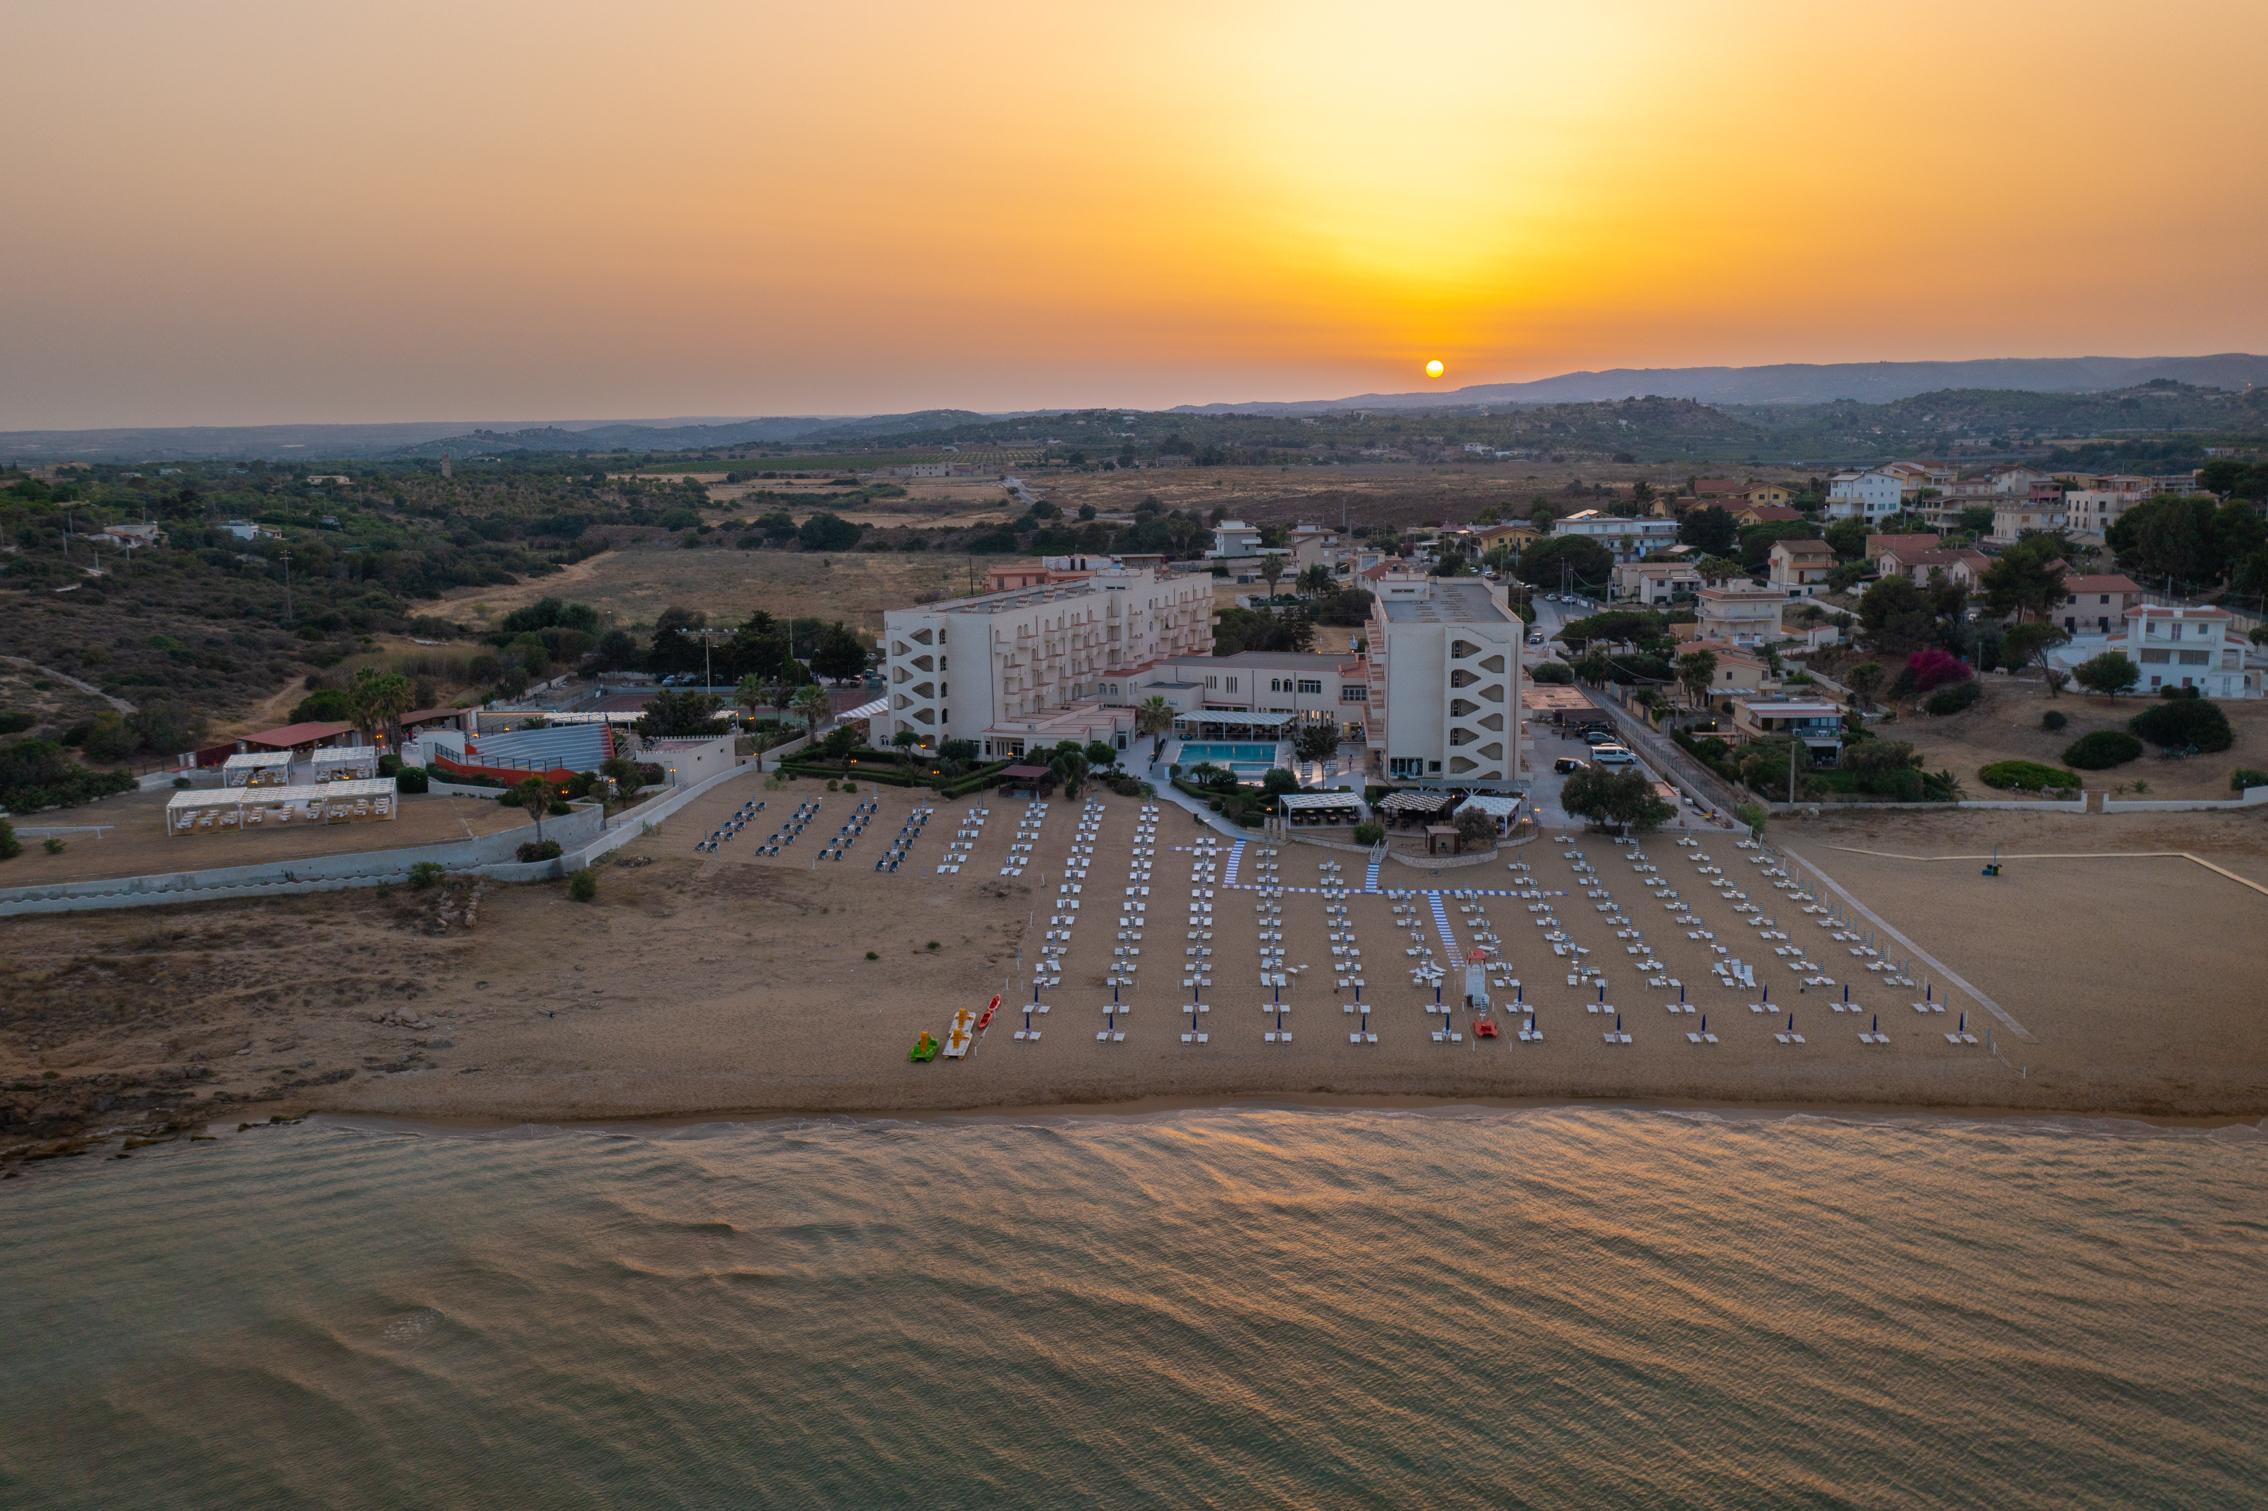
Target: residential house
x=1815, y=721
x=1738, y=671
x=1716, y=489
x=1767, y=514
x=1655, y=582
x=1628, y=539
x=1876, y=493
x=2097, y=603
x=1741, y=616
x=2013, y=520
x=1232, y=538
x=130, y=537
x=1925, y=559
x=1767, y=495
x=2182, y=645
x=1800, y=568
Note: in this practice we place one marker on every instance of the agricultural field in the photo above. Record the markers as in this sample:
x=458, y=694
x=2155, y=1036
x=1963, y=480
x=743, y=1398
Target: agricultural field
x=633, y=585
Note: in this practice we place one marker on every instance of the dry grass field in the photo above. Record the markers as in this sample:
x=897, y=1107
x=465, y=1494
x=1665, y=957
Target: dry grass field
x=1399, y=494
x=634, y=584
x=2004, y=724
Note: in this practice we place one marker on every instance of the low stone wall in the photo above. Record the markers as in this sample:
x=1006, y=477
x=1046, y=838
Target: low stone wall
x=2253, y=797
x=315, y=873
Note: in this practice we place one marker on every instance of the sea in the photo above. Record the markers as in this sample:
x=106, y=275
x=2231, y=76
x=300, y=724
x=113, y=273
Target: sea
x=1234, y=1307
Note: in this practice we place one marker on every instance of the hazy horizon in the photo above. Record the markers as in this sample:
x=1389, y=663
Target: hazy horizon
x=571, y=212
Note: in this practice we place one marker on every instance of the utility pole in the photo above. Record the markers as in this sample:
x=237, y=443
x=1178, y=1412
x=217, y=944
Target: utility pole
x=1791, y=766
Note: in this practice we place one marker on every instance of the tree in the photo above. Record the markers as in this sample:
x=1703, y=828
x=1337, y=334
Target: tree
x=1864, y=681
x=1070, y=769
x=1578, y=558
x=827, y=532
x=1271, y=571
x=2028, y=644
x=1315, y=579
x=839, y=655
x=1101, y=755
x=1622, y=799
x=1848, y=537
x=1369, y=832
x=751, y=693
x=1895, y=616
x=811, y=706
x=1276, y=781
x=165, y=727
x=1711, y=531
x=1153, y=717
x=1697, y=673
x=1974, y=521
x=1475, y=828
x=674, y=651
x=1885, y=768
x=1316, y=741
x=671, y=714
x=2026, y=582
x=379, y=699
x=534, y=794
x=2109, y=674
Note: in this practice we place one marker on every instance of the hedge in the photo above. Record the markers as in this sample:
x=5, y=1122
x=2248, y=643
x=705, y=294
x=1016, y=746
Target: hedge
x=2029, y=776
x=2246, y=776
x=2102, y=749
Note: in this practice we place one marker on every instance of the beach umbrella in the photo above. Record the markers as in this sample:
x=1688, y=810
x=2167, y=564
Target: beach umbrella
x=1876, y=1025
x=1704, y=1023
x=1791, y=1023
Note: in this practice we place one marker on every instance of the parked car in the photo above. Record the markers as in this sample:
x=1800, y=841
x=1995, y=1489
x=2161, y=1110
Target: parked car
x=1566, y=764
x=1612, y=755
x=1596, y=737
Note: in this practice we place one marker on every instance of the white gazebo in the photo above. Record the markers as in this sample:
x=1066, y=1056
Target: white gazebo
x=281, y=807
x=344, y=763
x=1502, y=808
x=1308, y=808
x=257, y=768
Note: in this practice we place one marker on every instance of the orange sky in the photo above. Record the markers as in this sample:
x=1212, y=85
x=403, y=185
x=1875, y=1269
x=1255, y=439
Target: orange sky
x=269, y=210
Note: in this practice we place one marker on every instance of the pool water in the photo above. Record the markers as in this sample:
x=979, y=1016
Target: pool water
x=1227, y=753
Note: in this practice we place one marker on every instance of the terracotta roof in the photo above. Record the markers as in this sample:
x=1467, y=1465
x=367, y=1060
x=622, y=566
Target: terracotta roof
x=1877, y=544
x=1772, y=514
x=2101, y=582
x=1805, y=547
x=285, y=736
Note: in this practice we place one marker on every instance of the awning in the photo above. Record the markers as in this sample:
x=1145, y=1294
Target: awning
x=1415, y=802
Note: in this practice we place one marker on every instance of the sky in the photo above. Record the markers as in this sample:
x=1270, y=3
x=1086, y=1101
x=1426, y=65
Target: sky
x=269, y=211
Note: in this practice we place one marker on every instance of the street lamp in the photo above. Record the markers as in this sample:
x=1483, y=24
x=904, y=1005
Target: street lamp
x=707, y=638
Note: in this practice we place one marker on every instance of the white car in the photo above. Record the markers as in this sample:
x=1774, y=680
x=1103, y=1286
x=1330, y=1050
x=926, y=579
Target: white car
x=1613, y=755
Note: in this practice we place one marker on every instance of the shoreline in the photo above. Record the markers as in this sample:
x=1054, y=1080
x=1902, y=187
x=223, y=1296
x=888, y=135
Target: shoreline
x=471, y=1125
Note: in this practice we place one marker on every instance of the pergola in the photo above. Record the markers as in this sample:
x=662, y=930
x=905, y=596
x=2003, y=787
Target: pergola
x=1321, y=808
x=1035, y=779
x=1502, y=808
x=257, y=768
x=1403, y=808
x=339, y=763
x=1231, y=724
x=258, y=807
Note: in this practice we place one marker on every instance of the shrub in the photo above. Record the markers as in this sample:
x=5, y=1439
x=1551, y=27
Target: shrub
x=872, y=956
x=53, y=845
x=2101, y=750
x=14, y=723
x=10, y=846
x=426, y=874
x=1551, y=673
x=535, y=850
x=2053, y=720
x=582, y=886
x=2109, y=674
x=1927, y=670
x=2239, y=779
x=2029, y=776
x=850, y=786
x=1369, y=832
x=1950, y=699
x=2184, y=722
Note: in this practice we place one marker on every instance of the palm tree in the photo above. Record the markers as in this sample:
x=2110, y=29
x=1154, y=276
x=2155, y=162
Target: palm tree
x=1070, y=768
x=812, y=707
x=377, y=700
x=752, y=693
x=534, y=794
x=1154, y=717
x=1271, y=570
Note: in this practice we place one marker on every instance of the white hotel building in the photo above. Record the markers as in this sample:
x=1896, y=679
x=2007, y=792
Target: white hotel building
x=1436, y=698
x=1028, y=666
x=1444, y=681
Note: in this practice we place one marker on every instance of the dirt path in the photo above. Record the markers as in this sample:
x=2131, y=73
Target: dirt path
x=88, y=688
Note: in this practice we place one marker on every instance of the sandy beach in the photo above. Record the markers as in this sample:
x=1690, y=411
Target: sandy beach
x=706, y=984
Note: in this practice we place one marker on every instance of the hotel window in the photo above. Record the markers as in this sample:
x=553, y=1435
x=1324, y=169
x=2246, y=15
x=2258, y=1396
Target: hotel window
x=1310, y=685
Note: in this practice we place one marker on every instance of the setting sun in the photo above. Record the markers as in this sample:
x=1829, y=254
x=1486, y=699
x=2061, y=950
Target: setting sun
x=1434, y=369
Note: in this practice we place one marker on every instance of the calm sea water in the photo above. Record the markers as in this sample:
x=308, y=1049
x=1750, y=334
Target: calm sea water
x=1237, y=1307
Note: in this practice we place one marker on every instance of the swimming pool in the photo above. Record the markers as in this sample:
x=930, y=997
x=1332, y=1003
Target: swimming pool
x=1229, y=753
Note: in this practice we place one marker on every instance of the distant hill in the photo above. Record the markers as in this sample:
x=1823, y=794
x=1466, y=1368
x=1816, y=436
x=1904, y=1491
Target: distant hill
x=1800, y=383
